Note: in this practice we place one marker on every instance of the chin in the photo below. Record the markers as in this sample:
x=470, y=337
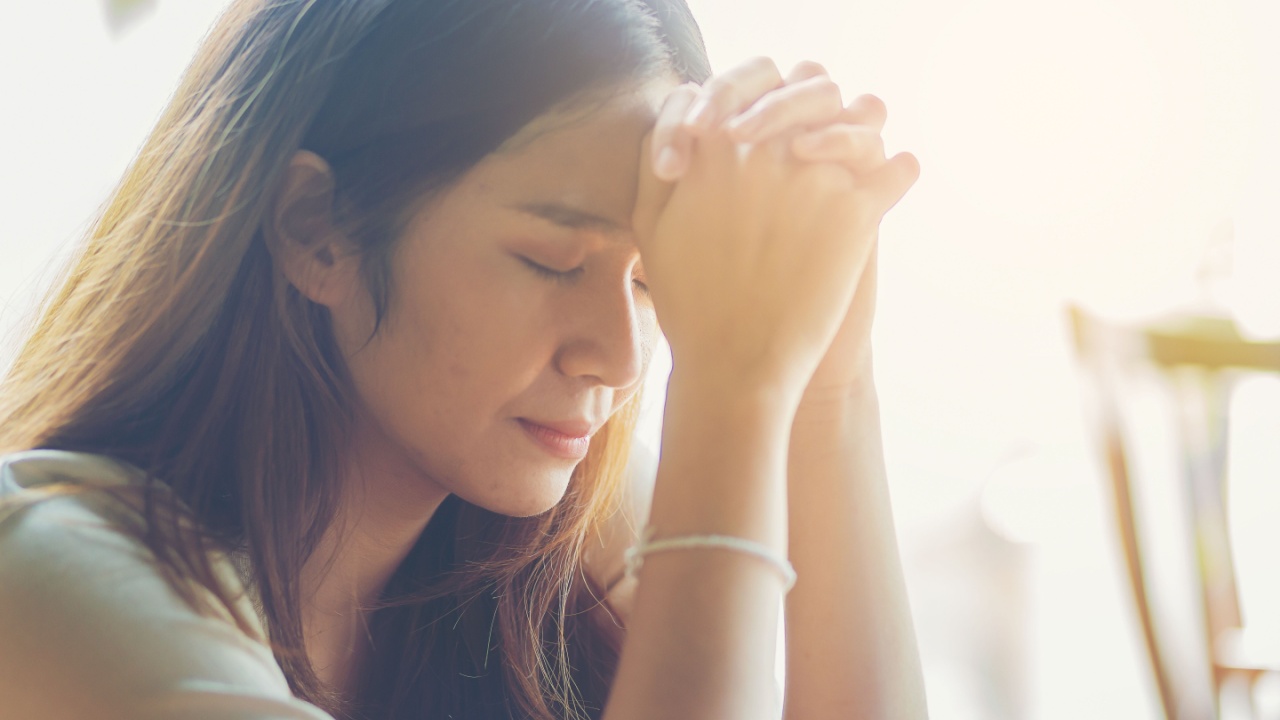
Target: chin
x=534, y=494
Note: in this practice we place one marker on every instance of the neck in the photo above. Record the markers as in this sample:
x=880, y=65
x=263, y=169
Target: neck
x=387, y=503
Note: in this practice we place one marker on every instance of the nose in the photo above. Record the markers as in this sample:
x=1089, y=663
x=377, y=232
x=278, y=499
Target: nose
x=608, y=338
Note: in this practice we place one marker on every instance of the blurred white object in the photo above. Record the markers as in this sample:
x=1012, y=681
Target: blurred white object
x=1256, y=291
x=1177, y=377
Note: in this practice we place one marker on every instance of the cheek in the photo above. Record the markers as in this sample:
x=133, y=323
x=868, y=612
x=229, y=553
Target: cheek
x=436, y=350
x=480, y=338
x=453, y=351
x=353, y=322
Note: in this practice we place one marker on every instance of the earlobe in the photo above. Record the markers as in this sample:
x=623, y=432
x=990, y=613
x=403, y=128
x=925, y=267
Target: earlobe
x=301, y=233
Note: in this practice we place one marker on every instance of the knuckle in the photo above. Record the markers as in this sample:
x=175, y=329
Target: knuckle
x=863, y=143
x=828, y=88
x=870, y=149
x=713, y=85
x=710, y=85
x=764, y=65
x=725, y=100
x=809, y=68
x=909, y=168
x=719, y=92
x=873, y=105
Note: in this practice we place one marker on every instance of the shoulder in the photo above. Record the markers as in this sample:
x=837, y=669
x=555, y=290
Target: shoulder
x=36, y=511
x=32, y=469
x=88, y=625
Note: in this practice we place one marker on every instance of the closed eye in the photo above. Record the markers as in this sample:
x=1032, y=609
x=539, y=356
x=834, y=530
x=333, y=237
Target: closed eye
x=560, y=276
x=568, y=276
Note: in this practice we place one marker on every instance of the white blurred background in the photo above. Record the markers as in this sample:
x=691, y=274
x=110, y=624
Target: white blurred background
x=1095, y=151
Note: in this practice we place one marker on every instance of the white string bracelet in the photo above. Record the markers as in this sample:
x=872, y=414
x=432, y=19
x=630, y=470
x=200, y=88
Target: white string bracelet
x=635, y=555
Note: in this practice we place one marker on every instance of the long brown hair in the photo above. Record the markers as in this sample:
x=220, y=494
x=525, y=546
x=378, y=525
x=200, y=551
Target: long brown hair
x=175, y=344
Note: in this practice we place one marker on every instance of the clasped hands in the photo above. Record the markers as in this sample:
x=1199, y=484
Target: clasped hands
x=841, y=184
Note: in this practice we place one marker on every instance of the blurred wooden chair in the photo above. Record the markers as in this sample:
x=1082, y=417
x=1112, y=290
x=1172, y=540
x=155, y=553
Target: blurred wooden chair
x=1172, y=521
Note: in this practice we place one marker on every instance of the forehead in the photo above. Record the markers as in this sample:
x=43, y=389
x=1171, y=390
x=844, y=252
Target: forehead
x=584, y=156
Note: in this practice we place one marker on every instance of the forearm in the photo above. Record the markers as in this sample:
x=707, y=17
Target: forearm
x=851, y=650
x=701, y=640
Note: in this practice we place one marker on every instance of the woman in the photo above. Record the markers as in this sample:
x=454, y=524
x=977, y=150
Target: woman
x=341, y=383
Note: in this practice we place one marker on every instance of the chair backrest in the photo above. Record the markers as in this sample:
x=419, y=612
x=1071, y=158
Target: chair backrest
x=1160, y=396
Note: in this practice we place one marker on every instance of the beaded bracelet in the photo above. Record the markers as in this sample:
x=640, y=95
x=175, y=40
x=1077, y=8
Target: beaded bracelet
x=635, y=555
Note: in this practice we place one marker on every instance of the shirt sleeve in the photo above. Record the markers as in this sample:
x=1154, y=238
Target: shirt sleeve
x=90, y=629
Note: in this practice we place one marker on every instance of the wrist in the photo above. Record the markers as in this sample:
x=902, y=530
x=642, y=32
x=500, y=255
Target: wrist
x=834, y=407
x=724, y=393
x=729, y=446
x=857, y=385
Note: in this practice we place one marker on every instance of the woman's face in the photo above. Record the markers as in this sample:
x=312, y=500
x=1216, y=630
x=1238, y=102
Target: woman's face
x=518, y=323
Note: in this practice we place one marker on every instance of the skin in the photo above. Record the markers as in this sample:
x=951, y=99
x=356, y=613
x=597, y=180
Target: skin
x=477, y=340
x=756, y=442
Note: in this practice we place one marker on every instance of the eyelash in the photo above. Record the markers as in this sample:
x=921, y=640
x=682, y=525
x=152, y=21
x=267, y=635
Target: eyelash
x=565, y=277
x=559, y=276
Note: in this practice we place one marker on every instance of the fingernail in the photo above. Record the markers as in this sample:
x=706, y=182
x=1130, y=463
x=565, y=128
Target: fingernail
x=700, y=115
x=667, y=164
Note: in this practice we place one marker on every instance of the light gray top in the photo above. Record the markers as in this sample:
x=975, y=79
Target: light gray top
x=90, y=629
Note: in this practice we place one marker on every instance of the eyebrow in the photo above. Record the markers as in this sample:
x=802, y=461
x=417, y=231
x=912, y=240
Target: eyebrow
x=571, y=217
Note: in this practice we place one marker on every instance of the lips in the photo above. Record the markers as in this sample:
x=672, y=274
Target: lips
x=572, y=428
x=566, y=439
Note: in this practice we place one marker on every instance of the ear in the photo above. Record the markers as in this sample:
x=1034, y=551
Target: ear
x=305, y=242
